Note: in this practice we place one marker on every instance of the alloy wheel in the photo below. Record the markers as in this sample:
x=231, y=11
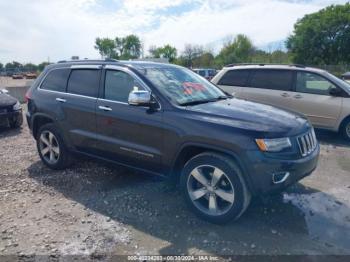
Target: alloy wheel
x=49, y=147
x=210, y=190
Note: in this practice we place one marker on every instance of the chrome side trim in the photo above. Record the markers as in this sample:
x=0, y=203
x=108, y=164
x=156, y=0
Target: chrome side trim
x=284, y=178
x=64, y=93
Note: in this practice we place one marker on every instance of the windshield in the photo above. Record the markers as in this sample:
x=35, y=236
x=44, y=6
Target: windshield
x=182, y=85
x=340, y=82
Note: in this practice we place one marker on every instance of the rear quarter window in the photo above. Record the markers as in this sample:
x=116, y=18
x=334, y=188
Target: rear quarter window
x=234, y=78
x=56, y=80
x=272, y=79
x=84, y=82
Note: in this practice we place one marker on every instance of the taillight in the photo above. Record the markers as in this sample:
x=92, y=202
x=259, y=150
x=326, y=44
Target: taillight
x=27, y=96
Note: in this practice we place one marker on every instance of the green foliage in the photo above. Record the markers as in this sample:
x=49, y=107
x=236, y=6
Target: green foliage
x=1, y=66
x=128, y=47
x=166, y=51
x=238, y=50
x=30, y=67
x=190, y=53
x=322, y=37
x=106, y=47
x=42, y=65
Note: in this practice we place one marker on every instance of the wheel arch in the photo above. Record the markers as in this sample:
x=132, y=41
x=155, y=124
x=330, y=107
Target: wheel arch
x=189, y=150
x=38, y=121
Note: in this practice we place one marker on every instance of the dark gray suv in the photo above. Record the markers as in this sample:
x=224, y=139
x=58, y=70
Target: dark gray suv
x=167, y=120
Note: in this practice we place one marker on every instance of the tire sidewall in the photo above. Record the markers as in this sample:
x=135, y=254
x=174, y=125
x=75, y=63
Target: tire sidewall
x=61, y=163
x=233, y=173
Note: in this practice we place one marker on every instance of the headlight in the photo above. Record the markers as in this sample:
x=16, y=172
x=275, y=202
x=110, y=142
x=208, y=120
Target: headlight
x=273, y=145
x=16, y=106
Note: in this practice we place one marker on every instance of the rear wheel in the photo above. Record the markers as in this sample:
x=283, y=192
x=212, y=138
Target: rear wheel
x=52, y=149
x=214, y=187
x=346, y=129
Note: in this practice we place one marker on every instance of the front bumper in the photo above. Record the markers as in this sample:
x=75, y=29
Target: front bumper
x=10, y=116
x=263, y=169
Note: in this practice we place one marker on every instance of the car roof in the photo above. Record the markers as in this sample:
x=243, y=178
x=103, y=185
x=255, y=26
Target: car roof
x=274, y=66
x=127, y=63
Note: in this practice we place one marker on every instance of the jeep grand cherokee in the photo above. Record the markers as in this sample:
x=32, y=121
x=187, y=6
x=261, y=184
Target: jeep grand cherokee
x=167, y=120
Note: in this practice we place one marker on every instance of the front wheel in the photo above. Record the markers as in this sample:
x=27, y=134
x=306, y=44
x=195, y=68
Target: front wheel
x=214, y=188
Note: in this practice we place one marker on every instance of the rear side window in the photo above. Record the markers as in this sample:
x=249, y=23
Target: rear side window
x=56, y=80
x=84, y=82
x=234, y=78
x=118, y=86
x=272, y=79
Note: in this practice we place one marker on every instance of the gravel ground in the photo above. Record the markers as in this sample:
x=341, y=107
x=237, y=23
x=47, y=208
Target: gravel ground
x=95, y=209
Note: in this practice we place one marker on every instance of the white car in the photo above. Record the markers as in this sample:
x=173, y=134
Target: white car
x=321, y=96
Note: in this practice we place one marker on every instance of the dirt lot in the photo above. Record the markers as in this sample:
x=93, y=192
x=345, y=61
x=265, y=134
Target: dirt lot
x=98, y=209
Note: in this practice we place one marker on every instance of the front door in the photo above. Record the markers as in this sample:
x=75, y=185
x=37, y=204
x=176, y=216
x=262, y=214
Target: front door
x=312, y=98
x=127, y=134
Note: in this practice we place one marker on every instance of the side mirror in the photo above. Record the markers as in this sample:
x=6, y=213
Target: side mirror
x=335, y=92
x=4, y=91
x=140, y=98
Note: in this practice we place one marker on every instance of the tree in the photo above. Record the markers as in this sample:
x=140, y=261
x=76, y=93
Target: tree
x=204, y=60
x=166, y=51
x=238, y=50
x=1, y=66
x=128, y=47
x=322, y=37
x=42, y=65
x=14, y=66
x=106, y=47
x=30, y=67
x=190, y=53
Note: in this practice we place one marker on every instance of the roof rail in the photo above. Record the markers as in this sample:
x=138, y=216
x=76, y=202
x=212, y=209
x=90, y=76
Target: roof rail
x=111, y=60
x=263, y=64
x=61, y=61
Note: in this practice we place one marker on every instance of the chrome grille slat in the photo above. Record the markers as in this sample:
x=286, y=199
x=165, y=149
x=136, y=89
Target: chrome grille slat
x=307, y=143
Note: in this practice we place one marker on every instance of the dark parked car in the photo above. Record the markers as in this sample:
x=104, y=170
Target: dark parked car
x=167, y=120
x=10, y=110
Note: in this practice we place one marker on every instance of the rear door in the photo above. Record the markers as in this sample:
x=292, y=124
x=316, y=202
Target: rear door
x=132, y=135
x=79, y=105
x=270, y=86
x=312, y=98
x=233, y=81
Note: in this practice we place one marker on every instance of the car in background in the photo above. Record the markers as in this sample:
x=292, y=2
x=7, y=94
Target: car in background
x=346, y=77
x=10, y=110
x=17, y=76
x=321, y=96
x=207, y=73
x=30, y=75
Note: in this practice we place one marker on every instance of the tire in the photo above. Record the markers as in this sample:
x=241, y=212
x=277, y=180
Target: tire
x=345, y=130
x=230, y=182
x=58, y=157
x=16, y=122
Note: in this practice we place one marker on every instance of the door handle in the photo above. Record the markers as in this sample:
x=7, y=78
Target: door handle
x=105, y=108
x=61, y=100
x=285, y=95
x=298, y=96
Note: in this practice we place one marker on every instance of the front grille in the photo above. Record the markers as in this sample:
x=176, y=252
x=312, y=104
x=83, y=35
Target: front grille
x=307, y=143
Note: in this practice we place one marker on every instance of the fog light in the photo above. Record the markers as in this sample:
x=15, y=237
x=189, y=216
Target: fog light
x=278, y=178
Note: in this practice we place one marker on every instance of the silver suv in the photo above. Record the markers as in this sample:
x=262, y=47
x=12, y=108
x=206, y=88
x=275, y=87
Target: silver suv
x=321, y=96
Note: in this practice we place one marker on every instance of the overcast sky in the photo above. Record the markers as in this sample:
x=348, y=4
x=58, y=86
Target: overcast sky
x=33, y=31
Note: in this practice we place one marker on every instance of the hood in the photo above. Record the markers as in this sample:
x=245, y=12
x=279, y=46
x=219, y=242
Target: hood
x=252, y=116
x=6, y=100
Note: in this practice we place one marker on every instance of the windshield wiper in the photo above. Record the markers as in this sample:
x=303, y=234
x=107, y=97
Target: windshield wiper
x=197, y=102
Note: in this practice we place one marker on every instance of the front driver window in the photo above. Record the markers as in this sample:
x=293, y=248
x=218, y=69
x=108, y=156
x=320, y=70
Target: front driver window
x=313, y=84
x=118, y=86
